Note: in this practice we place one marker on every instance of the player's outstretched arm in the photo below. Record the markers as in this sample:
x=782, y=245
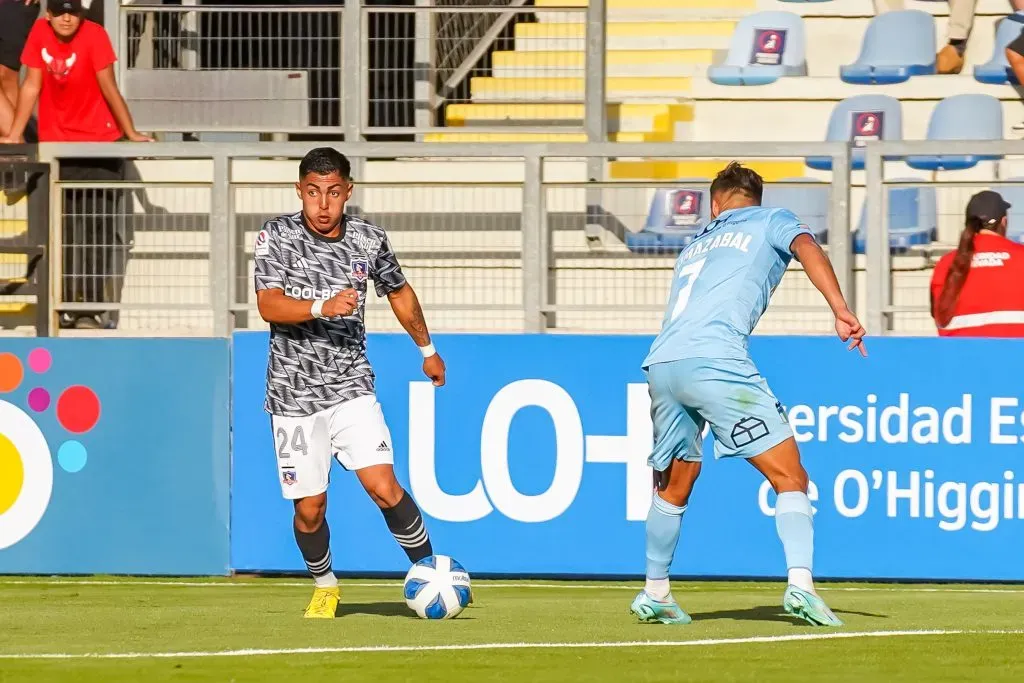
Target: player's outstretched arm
x=823, y=277
x=406, y=306
x=279, y=309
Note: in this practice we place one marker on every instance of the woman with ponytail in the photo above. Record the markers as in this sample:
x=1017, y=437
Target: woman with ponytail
x=978, y=290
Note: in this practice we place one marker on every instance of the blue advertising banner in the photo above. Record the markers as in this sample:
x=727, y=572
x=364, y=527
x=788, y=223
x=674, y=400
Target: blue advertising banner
x=114, y=456
x=532, y=461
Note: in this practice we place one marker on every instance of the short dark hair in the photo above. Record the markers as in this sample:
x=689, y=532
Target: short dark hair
x=736, y=178
x=325, y=160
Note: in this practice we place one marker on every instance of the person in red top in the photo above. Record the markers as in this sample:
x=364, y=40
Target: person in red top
x=70, y=64
x=70, y=72
x=978, y=290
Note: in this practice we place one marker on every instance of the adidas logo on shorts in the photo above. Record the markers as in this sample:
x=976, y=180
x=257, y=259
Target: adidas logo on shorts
x=383, y=447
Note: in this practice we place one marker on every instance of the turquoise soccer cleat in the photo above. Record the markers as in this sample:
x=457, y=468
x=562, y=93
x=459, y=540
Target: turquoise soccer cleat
x=650, y=611
x=808, y=607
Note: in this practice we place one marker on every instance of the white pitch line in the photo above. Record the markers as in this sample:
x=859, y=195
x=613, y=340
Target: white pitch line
x=502, y=646
x=679, y=587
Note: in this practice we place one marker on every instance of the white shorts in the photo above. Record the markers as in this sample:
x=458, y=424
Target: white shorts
x=354, y=432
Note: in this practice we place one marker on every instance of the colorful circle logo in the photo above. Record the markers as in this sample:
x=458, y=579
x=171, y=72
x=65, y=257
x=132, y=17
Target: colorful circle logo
x=26, y=463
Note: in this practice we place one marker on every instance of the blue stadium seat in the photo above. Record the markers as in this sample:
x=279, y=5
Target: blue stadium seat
x=913, y=218
x=961, y=117
x=1015, y=216
x=997, y=70
x=809, y=203
x=897, y=45
x=858, y=119
x=764, y=48
x=675, y=218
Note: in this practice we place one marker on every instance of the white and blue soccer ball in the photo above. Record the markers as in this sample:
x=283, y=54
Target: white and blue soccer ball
x=437, y=587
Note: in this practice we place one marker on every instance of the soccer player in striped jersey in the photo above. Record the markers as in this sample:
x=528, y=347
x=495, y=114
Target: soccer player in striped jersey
x=312, y=274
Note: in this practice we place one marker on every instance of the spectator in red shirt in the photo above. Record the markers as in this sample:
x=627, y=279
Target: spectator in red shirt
x=70, y=65
x=70, y=72
x=978, y=290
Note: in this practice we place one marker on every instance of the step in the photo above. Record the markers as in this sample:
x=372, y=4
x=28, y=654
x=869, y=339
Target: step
x=12, y=227
x=629, y=117
x=619, y=63
x=490, y=89
x=629, y=35
x=772, y=170
x=656, y=4
x=634, y=136
x=626, y=29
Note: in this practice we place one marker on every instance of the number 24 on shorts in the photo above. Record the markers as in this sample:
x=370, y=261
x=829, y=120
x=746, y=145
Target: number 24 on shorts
x=690, y=272
x=298, y=442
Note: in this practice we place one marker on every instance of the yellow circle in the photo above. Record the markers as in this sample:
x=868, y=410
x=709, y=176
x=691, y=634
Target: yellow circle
x=12, y=474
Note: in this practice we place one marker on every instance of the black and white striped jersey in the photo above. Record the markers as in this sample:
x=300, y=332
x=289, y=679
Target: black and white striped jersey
x=318, y=364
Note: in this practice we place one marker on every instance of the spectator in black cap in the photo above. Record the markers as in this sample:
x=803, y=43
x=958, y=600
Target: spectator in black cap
x=978, y=290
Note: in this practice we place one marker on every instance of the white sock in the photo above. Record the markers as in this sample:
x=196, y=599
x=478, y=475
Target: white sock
x=801, y=578
x=326, y=581
x=658, y=588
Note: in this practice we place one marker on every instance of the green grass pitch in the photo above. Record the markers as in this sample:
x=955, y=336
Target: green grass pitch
x=251, y=630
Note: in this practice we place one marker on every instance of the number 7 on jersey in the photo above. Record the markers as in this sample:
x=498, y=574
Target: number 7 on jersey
x=690, y=273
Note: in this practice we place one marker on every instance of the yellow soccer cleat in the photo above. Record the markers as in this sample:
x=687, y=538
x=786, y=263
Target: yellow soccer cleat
x=324, y=603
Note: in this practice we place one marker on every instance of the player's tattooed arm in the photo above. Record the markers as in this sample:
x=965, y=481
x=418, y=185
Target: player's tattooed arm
x=406, y=306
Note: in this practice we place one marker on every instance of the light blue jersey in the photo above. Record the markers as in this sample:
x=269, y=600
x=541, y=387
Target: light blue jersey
x=698, y=370
x=722, y=284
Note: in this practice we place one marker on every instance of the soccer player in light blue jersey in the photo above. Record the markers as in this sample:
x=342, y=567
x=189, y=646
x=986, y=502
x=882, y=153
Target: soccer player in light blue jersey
x=699, y=372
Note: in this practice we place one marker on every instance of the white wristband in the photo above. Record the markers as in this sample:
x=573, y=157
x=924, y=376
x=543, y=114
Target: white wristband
x=428, y=350
x=317, y=309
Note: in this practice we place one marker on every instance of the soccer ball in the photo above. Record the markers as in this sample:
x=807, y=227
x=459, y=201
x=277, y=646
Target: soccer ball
x=437, y=587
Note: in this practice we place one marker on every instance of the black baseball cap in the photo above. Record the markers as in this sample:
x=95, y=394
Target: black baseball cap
x=989, y=207
x=59, y=7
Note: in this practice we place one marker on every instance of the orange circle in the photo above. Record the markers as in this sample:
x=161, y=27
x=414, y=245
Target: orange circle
x=11, y=372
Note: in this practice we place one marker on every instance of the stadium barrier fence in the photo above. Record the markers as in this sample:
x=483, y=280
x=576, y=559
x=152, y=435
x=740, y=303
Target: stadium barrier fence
x=358, y=70
x=540, y=248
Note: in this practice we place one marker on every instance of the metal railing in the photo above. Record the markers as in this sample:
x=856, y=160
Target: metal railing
x=359, y=71
x=897, y=298
x=25, y=281
x=485, y=255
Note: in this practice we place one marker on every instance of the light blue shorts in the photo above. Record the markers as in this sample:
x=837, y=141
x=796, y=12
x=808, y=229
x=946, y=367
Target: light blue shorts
x=730, y=395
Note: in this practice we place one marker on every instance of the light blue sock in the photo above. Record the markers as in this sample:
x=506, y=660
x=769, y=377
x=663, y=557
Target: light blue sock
x=663, y=522
x=795, y=525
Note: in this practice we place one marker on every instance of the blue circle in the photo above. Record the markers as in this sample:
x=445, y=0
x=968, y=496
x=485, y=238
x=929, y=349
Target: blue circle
x=72, y=456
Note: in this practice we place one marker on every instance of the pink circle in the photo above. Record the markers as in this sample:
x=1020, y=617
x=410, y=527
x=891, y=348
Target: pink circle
x=39, y=360
x=39, y=399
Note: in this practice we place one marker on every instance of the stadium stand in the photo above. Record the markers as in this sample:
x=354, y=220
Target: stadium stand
x=809, y=201
x=1014, y=194
x=997, y=70
x=897, y=45
x=765, y=47
x=912, y=219
x=675, y=218
x=659, y=53
x=961, y=117
x=860, y=119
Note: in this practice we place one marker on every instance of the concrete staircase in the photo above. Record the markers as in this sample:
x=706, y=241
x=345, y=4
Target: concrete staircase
x=655, y=48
